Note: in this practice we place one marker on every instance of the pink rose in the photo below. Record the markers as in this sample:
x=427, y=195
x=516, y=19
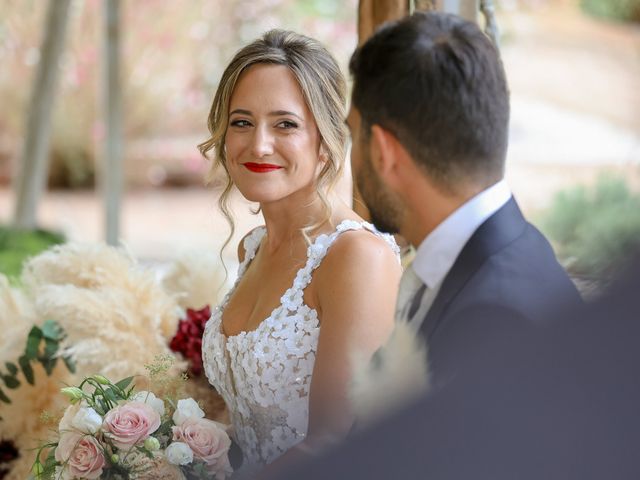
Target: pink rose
x=81, y=456
x=130, y=423
x=208, y=441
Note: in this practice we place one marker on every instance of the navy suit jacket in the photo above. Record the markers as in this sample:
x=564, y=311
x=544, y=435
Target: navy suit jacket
x=507, y=266
x=558, y=402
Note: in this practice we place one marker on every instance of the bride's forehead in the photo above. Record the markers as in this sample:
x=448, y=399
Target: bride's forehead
x=268, y=86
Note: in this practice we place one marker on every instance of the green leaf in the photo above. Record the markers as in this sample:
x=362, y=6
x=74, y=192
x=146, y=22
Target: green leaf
x=51, y=330
x=164, y=428
x=12, y=368
x=33, y=343
x=27, y=370
x=3, y=397
x=11, y=381
x=110, y=395
x=70, y=363
x=145, y=452
x=48, y=363
x=98, y=408
x=103, y=406
x=124, y=383
x=51, y=347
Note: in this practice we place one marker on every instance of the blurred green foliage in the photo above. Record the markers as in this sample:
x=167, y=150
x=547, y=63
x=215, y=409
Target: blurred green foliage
x=18, y=245
x=626, y=10
x=594, y=228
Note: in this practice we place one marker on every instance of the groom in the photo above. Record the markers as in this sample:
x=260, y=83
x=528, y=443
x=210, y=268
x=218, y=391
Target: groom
x=429, y=123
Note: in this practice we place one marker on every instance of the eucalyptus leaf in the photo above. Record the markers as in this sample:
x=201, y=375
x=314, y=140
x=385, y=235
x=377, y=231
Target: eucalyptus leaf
x=70, y=363
x=52, y=331
x=27, y=370
x=3, y=397
x=10, y=381
x=33, y=342
x=11, y=367
x=48, y=363
x=51, y=347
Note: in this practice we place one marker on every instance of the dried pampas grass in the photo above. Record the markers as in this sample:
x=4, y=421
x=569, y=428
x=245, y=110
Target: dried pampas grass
x=395, y=375
x=197, y=279
x=116, y=316
x=17, y=316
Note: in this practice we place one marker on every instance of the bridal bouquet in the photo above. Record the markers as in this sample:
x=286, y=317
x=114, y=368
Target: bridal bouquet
x=113, y=432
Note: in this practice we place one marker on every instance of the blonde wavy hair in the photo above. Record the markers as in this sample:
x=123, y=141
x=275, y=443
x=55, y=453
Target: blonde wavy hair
x=324, y=89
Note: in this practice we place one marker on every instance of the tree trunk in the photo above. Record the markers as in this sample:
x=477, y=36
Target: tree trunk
x=31, y=178
x=111, y=180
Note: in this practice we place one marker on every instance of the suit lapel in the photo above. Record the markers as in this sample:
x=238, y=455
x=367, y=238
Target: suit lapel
x=493, y=235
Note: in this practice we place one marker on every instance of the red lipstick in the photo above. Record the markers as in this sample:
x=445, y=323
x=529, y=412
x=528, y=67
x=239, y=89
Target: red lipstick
x=261, y=167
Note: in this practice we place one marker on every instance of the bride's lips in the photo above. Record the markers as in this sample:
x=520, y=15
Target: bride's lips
x=261, y=167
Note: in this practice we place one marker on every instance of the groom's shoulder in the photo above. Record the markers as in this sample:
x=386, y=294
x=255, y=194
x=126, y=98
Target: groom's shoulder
x=525, y=276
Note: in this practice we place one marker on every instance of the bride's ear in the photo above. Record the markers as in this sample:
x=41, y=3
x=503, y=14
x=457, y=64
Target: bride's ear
x=322, y=153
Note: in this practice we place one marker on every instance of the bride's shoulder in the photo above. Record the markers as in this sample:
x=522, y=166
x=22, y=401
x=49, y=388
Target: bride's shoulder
x=250, y=242
x=360, y=252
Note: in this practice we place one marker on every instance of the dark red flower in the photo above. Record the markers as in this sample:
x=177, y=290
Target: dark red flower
x=188, y=338
x=8, y=453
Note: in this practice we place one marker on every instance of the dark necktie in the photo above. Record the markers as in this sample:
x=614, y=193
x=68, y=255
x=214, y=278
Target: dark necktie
x=415, y=302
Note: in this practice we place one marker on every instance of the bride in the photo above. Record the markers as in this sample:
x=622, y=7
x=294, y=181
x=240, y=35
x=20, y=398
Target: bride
x=316, y=284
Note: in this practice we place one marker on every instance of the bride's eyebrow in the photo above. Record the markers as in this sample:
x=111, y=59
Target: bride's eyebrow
x=241, y=112
x=279, y=113
x=275, y=113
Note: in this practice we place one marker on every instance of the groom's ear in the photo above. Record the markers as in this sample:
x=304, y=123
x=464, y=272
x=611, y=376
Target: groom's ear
x=387, y=154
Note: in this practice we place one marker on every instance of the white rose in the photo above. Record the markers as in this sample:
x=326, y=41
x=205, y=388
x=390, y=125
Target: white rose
x=87, y=420
x=150, y=399
x=179, y=453
x=187, y=408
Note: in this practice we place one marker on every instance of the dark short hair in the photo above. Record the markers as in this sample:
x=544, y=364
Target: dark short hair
x=437, y=83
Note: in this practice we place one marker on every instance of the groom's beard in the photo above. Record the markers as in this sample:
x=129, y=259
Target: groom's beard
x=385, y=209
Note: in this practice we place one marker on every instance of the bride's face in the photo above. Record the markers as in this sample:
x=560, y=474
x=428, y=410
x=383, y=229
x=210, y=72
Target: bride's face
x=272, y=141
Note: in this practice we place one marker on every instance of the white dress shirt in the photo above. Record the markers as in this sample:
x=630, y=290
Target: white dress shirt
x=439, y=250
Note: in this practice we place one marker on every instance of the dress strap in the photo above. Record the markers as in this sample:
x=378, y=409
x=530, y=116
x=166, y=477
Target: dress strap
x=292, y=298
x=251, y=243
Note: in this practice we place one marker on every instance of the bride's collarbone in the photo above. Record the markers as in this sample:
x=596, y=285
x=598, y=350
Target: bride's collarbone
x=259, y=293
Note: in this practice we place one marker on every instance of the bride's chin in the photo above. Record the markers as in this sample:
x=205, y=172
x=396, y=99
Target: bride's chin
x=259, y=196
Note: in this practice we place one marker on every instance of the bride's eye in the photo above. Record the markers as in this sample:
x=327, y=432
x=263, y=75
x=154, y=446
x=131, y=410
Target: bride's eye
x=240, y=123
x=287, y=124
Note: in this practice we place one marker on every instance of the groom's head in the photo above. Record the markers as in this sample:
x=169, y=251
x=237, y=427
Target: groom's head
x=430, y=87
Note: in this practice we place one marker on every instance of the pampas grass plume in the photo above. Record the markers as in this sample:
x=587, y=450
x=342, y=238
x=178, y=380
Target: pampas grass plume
x=395, y=375
x=196, y=278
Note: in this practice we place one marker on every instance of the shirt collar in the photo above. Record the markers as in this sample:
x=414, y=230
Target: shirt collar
x=438, y=251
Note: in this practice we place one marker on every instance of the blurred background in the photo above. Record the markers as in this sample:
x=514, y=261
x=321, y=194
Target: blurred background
x=574, y=159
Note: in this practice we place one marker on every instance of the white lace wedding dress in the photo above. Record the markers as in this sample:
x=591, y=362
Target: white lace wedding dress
x=264, y=375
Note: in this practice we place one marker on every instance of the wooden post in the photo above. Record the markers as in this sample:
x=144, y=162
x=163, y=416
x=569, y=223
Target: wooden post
x=467, y=9
x=111, y=181
x=371, y=14
x=32, y=171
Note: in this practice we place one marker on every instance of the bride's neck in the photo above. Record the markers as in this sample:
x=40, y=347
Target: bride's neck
x=285, y=222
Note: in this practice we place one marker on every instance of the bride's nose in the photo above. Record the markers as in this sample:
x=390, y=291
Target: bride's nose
x=262, y=142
